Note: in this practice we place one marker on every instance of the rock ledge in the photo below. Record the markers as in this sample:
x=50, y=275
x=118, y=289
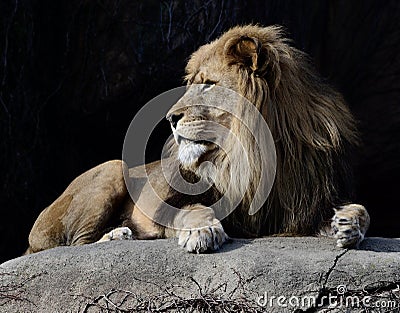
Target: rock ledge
x=158, y=276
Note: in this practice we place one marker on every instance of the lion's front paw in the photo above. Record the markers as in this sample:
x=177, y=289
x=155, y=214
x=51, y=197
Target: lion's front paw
x=203, y=239
x=120, y=233
x=349, y=225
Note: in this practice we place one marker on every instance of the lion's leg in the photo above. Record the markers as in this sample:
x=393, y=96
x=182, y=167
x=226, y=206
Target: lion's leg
x=119, y=233
x=197, y=229
x=48, y=231
x=84, y=211
x=349, y=225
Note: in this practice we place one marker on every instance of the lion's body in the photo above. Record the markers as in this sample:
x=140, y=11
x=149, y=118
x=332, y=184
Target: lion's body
x=312, y=130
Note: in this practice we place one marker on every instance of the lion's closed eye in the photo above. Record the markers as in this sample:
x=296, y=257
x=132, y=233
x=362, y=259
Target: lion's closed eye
x=208, y=85
x=210, y=82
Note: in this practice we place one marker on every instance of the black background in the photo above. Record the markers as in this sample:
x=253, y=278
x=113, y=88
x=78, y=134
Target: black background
x=74, y=73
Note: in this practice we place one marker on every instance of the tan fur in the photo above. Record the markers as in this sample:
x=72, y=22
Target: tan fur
x=310, y=122
x=312, y=129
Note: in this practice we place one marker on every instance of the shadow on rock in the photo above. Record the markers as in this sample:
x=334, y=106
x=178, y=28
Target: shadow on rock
x=380, y=244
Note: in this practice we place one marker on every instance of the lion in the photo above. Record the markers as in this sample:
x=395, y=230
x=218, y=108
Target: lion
x=313, y=133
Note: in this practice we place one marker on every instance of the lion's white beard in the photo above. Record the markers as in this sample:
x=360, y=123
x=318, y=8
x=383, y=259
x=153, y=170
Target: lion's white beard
x=189, y=152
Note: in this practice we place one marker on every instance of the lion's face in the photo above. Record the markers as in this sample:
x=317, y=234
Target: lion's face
x=197, y=123
x=200, y=120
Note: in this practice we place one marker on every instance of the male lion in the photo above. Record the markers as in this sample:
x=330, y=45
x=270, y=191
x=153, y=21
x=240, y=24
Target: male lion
x=312, y=130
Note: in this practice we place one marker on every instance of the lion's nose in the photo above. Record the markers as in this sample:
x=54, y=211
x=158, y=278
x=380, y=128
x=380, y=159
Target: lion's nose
x=174, y=119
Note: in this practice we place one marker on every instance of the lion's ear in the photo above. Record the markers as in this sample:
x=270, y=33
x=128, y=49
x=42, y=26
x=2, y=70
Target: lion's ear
x=263, y=60
x=246, y=51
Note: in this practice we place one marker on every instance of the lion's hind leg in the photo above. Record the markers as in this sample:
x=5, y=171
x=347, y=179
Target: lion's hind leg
x=120, y=233
x=84, y=211
x=349, y=225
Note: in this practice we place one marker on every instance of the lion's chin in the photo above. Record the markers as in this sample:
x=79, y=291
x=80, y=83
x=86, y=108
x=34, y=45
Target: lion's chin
x=190, y=152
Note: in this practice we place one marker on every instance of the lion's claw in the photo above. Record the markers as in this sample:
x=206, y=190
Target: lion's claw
x=203, y=239
x=349, y=225
x=120, y=233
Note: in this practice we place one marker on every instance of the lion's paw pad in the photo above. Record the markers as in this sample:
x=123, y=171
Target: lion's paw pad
x=203, y=239
x=120, y=233
x=346, y=230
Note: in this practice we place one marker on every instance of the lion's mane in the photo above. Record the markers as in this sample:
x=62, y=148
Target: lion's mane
x=311, y=126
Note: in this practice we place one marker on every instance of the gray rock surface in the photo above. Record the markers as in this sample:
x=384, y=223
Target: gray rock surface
x=158, y=276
